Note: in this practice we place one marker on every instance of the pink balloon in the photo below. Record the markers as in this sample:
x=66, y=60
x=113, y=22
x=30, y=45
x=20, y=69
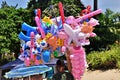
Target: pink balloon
x=63, y=49
x=75, y=57
x=71, y=20
x=37, y=20
x=27, y=61
x=36, y=62
x=89, y=15
x=32, y=45
x=92, y=14
x=78, y=67
x=92, y=34
x=77, y=50
x=32, y=36
x=62, y=35
x=32, y=56
x=93, y=22
x=76, y=76
x=75, y=62
x=77, y=71
x=40, y=30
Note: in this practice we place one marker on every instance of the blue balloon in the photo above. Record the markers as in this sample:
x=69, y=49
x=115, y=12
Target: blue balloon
x=28, y=28
x=38, y=57
x=26, y=54
x=59, y=23
x=23, y=37
x=52, y=29
x=60, y=27
x=39, y=49
x=46, y=56
x=59, y=48
x=44, y=27
x=35, y=11
x=86, y=20
x=28, y=33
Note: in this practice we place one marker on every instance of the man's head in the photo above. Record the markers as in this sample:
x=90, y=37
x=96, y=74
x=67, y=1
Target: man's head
x=60, y=65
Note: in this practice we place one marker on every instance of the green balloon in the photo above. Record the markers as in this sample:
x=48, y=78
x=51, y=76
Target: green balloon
x=56, y=53
x=48, y=24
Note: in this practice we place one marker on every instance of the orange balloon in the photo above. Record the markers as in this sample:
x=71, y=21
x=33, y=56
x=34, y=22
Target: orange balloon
x=87, y=29
x=52, y=41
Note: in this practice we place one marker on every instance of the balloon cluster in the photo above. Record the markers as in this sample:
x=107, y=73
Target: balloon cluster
x=41, y=43
x=52, y=37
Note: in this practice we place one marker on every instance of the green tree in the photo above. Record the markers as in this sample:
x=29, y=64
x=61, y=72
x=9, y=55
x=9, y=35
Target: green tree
x=4, y=4
x=10, y=26
x=42, y=4
x=107, y=31
x=71, y=7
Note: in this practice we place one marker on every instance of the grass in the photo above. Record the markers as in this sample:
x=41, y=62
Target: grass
x=104, y=60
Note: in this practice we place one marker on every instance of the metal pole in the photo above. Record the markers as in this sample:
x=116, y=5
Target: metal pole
x=22, y=78
x=0, y=74
x=29, y=78
x=95, y=5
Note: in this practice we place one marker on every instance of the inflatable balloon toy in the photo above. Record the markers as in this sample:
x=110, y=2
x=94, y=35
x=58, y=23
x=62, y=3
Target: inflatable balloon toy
x=71, y=21
x=38, y=13
x=52, y=41
x=61, y=12
x=58, y=36
x=86, y=11
x=39, y=28
x=78, y=32
x=93, y=22
x=28, y=29
x=91, y=14
x=47, y=21
x=46, y=56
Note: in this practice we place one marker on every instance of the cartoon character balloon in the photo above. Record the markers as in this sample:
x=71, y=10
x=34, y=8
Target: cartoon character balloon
x=55, y=36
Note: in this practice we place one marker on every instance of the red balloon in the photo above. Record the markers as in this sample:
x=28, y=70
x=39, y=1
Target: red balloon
x=39, y=13
x=61, y=12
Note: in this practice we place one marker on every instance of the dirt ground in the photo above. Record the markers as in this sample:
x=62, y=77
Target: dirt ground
x=112, y=74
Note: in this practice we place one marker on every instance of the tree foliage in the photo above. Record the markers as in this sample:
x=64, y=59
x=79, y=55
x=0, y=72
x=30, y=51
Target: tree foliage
x=10, y=26
x=107, y=31
x=50, y=7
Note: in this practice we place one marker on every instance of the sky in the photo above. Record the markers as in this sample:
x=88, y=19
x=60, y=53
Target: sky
x=21, y=3
x=114, y=5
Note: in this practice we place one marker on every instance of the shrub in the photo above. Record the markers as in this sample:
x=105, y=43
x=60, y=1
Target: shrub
x=104, y=60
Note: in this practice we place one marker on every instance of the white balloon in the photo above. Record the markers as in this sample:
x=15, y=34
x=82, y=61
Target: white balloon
x=28, y=43
x=37, y=36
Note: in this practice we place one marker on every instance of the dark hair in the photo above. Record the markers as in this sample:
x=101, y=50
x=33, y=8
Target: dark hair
x=60, y=64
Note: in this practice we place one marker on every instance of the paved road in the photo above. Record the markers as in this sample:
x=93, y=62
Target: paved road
x=113, y=74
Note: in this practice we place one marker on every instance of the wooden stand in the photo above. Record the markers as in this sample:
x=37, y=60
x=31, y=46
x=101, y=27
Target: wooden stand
x=68, y=60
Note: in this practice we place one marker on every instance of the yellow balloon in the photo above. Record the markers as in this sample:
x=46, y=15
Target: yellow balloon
x=47, y=20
